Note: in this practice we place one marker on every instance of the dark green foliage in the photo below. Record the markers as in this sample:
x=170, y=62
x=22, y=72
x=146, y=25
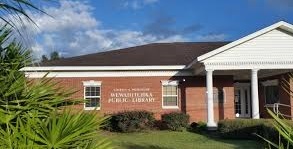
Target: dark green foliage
x=131, y=121
x=18, y=11
x=197, y=127
x=58, y=130
x=247, y=129
x=12, y=55
x=281, y=125
x=175, y=121
x=17, y=94
x=29, y=115
x=54, y=55
x=159, y=125
x=282, y=135
x=44, y=58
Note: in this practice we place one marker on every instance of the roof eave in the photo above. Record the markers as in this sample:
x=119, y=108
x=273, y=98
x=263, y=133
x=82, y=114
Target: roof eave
x=103, y=68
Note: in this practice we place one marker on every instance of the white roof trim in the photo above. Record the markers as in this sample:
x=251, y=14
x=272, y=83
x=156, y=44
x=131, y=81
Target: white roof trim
x=92, y=83
x=82, y=74
x=283, y=25
x=256, y=65
x=99, y=68
x=170, y=82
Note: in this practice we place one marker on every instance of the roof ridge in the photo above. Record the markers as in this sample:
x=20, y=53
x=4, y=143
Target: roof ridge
x=148, y=44
x=172, y=53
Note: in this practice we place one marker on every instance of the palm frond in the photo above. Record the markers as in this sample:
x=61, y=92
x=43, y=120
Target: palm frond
x=18, y=10
x=68, y=130
x=30, y=110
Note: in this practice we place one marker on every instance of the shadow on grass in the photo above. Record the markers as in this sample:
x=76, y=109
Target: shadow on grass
x=143, y=146
x=237, y=142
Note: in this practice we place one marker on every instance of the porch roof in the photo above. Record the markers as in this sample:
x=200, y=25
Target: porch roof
x=269, y=48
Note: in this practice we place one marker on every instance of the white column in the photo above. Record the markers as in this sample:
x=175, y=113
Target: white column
x=210, y=101
x=254, y=94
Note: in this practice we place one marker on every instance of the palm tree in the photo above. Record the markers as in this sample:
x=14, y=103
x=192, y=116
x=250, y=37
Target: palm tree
x=283, y=127
x=30, y=115
x=17, y=9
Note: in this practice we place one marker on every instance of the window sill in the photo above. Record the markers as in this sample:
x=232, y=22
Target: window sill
x=91, y=108
x=170, y=107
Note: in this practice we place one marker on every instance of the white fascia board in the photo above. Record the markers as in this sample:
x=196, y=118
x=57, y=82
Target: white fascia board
x=82, y=74
x=248, y=66
x=102, y=68
x=92, y=83
x=283, y=25
x=170, y=82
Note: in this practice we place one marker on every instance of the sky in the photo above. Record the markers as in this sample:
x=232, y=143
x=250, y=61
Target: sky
x=74, y=27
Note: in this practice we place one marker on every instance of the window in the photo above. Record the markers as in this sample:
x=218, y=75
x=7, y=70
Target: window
x=272, y=94
x=237, y=101
x=246, y=102
x=170, y=94
x=218, y=95
x=271, y=91
x=92, y=95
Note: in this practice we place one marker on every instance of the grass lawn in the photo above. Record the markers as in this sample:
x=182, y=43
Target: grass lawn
x=176, y=140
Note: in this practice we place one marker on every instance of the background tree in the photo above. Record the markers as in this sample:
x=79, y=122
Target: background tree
x=54, y=55
x=44, y=58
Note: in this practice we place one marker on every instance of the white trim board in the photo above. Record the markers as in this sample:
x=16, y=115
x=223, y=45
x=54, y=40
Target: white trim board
x=238, y=66
x=283, y=25
x=91, y=83
x=107, y=74
x=170, y=82
x=99, y=68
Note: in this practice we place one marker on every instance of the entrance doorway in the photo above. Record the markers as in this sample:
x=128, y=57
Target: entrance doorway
x=242, y=100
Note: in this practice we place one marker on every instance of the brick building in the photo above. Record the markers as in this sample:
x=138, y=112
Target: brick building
x=207, y=80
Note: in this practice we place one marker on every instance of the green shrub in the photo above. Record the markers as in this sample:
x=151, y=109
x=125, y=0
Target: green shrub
x=246, y=129
x=284, y=128
x=175, y=121
x=130, y=121
x=197, y=127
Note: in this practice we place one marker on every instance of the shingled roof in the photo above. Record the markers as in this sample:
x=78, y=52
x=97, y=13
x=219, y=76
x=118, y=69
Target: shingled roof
x=179, y=53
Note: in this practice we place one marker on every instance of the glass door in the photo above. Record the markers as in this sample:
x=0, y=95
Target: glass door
x=242, y=101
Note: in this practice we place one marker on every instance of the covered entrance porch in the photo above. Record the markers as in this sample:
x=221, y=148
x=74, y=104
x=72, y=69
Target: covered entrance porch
x=254, y=91
x=270, y=92
x=254, y=61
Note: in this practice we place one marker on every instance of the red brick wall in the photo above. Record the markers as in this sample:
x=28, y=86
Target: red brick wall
x=192, y=98
x=196, y=98
x=283, y=96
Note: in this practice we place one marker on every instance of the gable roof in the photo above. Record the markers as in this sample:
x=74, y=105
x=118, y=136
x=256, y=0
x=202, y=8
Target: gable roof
x=282, y=25
x=156, y=54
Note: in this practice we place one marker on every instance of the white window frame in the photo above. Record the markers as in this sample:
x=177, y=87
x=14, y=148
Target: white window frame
x=170, y=83
x=92, y=83
x=267, y=83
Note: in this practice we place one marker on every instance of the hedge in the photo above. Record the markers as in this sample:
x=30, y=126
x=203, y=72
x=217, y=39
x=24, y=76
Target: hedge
x=130, y=121
x=198, y=127
x=247, y=128
x=175, y=121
